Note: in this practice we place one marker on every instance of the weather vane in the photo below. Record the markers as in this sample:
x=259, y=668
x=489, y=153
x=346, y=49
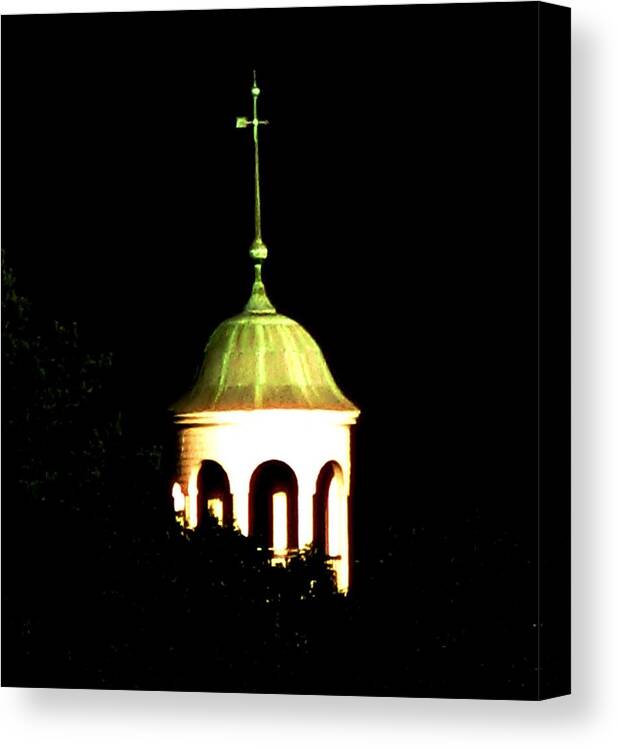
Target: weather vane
x=258, y=250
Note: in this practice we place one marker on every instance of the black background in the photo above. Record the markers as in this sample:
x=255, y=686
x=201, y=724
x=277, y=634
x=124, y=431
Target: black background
x=400, y=210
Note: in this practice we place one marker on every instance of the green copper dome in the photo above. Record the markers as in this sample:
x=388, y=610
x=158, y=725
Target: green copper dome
x=262, y=360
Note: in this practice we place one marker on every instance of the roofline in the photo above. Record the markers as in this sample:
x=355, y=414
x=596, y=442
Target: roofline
x=237, y=417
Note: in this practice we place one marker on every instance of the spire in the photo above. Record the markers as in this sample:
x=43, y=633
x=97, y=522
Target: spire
x=259, y=302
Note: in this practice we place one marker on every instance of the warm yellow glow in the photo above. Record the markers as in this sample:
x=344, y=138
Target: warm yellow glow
x=191, y=510
x=215, y=506
x=179, y=498
x=338, y=530
x=306, y=440
x=334, y=519
x=280, y=523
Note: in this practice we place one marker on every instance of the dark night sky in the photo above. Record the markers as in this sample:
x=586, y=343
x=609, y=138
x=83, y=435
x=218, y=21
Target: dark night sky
x=399, y=199
x=394, y=176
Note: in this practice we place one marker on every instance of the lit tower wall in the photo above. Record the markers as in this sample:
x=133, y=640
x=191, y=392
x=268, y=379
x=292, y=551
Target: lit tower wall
x=265, y=405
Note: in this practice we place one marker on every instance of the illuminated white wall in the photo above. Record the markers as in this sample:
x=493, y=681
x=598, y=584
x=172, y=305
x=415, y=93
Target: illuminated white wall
x=240, y=441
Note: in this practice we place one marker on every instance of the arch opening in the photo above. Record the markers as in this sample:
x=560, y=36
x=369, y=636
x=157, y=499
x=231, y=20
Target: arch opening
x=329, y=508
x=273, y=506
x=213, y=493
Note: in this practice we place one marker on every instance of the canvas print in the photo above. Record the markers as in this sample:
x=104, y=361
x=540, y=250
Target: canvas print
x=286, y=351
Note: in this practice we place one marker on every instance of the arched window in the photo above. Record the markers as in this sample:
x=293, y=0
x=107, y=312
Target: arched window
x=213, y=493
x=330, y=510
x=273, y=506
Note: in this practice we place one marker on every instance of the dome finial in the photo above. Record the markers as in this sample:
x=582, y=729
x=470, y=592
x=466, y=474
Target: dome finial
x=258, y=251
